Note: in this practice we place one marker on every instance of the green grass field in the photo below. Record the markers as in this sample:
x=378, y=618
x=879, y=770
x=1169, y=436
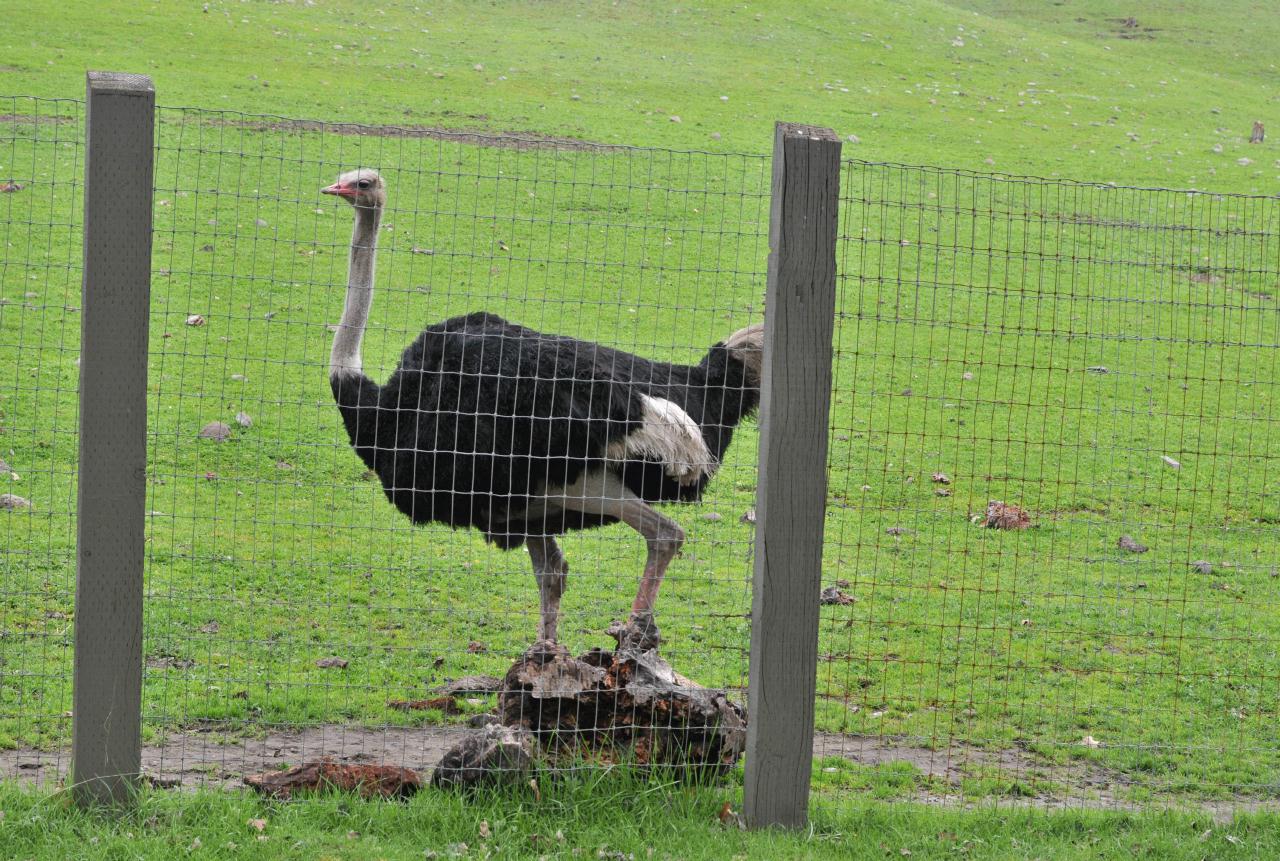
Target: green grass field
x=1043, y=343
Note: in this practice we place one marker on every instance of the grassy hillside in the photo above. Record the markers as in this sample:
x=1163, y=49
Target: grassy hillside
x=1049, y=344
x=1046, y=89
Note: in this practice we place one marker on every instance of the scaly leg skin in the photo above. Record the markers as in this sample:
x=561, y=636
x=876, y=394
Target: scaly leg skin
x=604, y=493
x=551, y=572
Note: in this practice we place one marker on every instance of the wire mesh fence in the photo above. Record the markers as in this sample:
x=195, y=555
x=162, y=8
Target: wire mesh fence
x=41, y=165
x=1053, y=490
x=1051, y=527
x=290, y=610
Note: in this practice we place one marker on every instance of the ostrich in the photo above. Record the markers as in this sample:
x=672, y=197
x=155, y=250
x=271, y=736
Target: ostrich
x=525, y=435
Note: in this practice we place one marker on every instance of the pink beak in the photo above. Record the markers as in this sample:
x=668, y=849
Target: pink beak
x=339, y=189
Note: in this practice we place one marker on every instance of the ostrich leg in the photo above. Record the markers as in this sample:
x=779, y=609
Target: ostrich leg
x=551, y=571
x=604, y=493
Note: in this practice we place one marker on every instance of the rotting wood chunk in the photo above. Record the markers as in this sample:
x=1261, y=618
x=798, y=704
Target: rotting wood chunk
x=383, y=781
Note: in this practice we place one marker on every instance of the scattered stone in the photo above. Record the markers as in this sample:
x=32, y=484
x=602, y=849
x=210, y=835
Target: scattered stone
x=715, y=136
x=243, y=420
x=448, y=705
x=942, y=491
x=833, y=595
x=1098, y=369
x=675, y=119
x=940, y=478
x=1090, y=741
x=260, y=222
x=853, y=139
x=1001, y=516
x=196, y=320
x=713, y=517
x=416, y=250
x=239, y=378
x=12, y=502
x=497, y=754
x=326, y=663
x=748, y=516
x=1128, y=544
x=471, y=685
x=897, y=530
x=1202, y=567
x=216, y=431
x=382, y=781
x=481, y=721
x=1170, y=461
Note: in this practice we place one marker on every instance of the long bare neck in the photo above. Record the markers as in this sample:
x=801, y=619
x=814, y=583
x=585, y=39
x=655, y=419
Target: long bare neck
x=344, y=359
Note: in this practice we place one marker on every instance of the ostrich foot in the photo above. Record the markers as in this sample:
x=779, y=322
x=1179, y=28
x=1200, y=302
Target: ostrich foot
x=638, y=634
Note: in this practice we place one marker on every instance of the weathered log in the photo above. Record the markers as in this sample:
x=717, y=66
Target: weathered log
x=628, y=705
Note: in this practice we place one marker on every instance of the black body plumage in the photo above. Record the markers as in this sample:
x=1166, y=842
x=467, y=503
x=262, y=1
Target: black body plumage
x=483, y=417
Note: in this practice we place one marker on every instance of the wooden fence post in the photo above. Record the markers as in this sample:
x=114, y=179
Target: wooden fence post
x=792, y=492
x=111, y=518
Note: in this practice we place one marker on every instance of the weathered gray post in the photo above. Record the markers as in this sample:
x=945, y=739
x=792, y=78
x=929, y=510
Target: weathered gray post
x=106, y=723
x=792, y=492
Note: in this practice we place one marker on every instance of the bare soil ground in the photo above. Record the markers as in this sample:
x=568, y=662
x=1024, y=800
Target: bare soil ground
x=209, y=757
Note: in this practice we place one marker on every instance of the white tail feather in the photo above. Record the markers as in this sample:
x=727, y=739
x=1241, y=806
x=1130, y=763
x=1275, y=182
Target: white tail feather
x=669, y=435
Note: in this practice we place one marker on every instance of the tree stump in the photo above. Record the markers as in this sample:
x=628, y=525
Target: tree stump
x=623, y=706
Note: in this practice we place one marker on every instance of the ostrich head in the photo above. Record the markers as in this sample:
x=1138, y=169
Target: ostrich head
x=362, y=188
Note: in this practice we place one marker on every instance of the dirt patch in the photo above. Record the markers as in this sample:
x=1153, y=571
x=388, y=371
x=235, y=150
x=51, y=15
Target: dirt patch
x=211, y=758
x=36, y=119
x=519, y=140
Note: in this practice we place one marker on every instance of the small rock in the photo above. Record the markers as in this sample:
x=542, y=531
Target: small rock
x=1090, y=741
x=1173, y=463
x=1244, y=162
x=11, y=502
x=833, y=595
x=195, y=320
x=216, y=431
x=713, y=517
x=940, y=478
x=1127, y=543
x=942, y=491
x=1098, y=369
x=243, y=420
x=748, y=516
x=853, y=139
x=674, y=118
x=326, y=663
x=1001, y=516
x=1202, y=567
x=479, y=67
x=416, y=250
x=897, y=530
x=260, y=222
x=1217, y=147
x=715, y=136
x=497, y=754
x=967, y=375
x=472, y=685
x=239, y=378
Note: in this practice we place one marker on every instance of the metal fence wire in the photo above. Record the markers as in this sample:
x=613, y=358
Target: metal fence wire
x=1050, y=539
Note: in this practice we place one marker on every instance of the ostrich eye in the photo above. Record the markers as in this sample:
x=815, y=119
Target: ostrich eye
x=364, y=183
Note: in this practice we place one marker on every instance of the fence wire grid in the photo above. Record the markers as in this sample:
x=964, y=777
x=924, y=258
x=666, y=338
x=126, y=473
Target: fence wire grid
x=1093, y=367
